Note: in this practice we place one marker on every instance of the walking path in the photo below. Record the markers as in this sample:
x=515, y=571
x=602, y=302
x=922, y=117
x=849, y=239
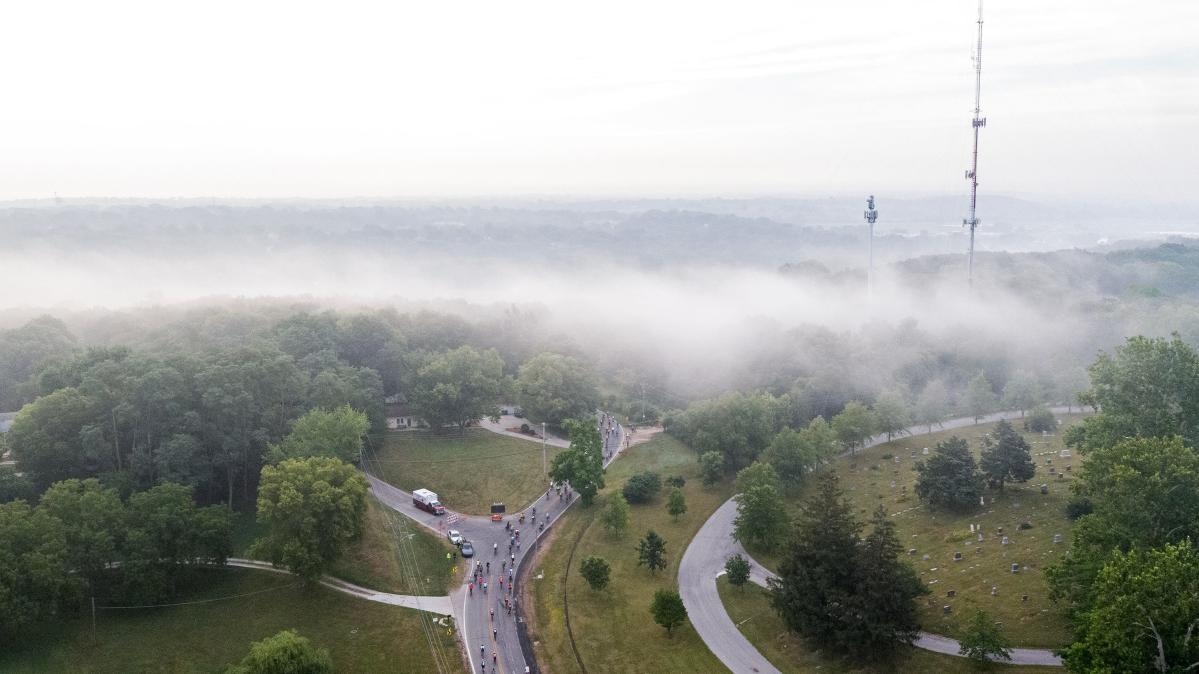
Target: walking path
x=704, y=561
x=486, y=634
x=439, y=605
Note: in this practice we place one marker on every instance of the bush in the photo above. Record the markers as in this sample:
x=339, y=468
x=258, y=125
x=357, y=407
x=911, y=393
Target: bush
x=524, y=428
x=676, y=481
x=643, y=487
x=1079, y=506
x=711, y=468
x=596, y=571
x=1040, y=419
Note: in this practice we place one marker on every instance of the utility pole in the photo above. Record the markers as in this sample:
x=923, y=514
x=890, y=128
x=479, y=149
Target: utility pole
x=544, y=471
x=978, y=123
x=871, y=216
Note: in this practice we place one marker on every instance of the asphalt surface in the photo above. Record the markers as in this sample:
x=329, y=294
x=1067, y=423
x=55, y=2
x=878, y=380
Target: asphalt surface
x=484, y=635
x=714, y=544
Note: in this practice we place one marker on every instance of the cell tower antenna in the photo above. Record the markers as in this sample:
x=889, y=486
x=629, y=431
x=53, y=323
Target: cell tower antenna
x=978, y=123
x=871, y=216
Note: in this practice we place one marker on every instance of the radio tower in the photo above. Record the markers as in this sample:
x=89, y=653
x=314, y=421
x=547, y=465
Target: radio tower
x=978, y=123
x=871, y=215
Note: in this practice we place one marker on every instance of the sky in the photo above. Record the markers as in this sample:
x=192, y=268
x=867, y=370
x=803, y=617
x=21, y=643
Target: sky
x=1084, y=99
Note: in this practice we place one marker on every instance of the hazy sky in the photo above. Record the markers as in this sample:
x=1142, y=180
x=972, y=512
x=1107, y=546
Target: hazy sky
x=347, y=98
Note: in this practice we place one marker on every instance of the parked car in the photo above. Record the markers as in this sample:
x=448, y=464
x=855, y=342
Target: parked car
x=455, y=537
x=467, y=549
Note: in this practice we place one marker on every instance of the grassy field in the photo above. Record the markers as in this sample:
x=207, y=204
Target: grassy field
x=374, y=560
x=750, y=610
x=613, y=629
x=873, y=477
x=467, y=472
x=361, y=636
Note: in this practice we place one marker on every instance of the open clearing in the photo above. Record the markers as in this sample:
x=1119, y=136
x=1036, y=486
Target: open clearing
x=361, y=636
x=468, y=472
x=886, y=475
x=613, y=629
x=750, y=610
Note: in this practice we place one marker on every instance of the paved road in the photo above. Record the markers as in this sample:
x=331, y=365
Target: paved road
x=704, y=561
x=472, y=609
x=439, y=605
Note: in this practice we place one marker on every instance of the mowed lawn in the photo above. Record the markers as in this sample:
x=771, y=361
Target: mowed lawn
x=393, y=555
x=613, y=629
x=468, y=472
x=361, y=636
x=873, y=477
x=749, y=608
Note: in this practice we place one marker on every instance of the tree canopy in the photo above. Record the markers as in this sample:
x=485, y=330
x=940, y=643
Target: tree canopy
x=335, y=433
x=553, y=388
x=284, y=653
x=458, y=387
x=1006, y=456
x=950, y=478
x=581, y=465
x=854, y=425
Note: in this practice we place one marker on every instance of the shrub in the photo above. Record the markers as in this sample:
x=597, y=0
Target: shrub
x=676, y=481
x=642, y=487
x=1079, y=506
x=1040, y=419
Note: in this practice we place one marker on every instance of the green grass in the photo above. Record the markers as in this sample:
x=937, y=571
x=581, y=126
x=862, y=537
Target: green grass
x=373, y=561
x=613, y=629
x=1037, y=622
x=467, y=472
x=750, y=610
x=361, y=636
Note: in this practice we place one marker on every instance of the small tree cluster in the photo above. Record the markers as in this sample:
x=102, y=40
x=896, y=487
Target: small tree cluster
x=1006, y=456
x=642, y=487
x=596, y=571
x=761, y=516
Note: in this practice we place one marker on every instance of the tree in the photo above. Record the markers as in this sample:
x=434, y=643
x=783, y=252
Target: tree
x=26, y=350
x=737, y=569
x=1041, y=420
x=854, y=425
x=1142, y=493
x=950, y=478
x=676, y=503
x=458, y=387
x=980, y=397
x=932, y=405
x=1144, y=614
x=794, y=454
x=1006, y=456
x=891, y=414
x=642, y=487
x=882, y=614
x=711, y=468
x=983, y=642
x=335, y=433
x=581, y=465
x=48, y=441
x=36, y=579
x=284, y=653
x=1022, y=391
x=668, y=610
x=14, y=485
x=615, y=517
x=93, y=520
x=761, y=516
x=311, y=508
x=1147, y=388
x=553, y=388
x=651, y=552
x=596, y=571
x=165, y=534
x=738, y=425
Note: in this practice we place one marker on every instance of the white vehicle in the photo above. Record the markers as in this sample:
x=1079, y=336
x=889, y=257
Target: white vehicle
x=455, y=537
x=427, y=501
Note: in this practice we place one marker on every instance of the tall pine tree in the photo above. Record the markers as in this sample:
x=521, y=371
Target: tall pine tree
x=1006, y=456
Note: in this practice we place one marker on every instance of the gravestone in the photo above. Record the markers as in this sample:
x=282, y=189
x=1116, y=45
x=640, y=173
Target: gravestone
x=982, y=500
x=1044, y=489
x=994, y=591
x=946, y=609
x=1004, y=541
x=951, y=594
x=1065, y=453
x=925, y=452
x=925, y=558
x=1052, y=470
x=1057, y=538
x=1015, y=567
x=911, y=551
x=1000, y=529
x=957, y=556
x=980, y=537
x=897, y=459
x=1024, y=598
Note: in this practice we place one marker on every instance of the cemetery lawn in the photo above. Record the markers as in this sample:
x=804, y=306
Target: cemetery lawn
x=613, y=629
x=1033, y=623
x=468, y=472
x=373, y=561
x=361, y=636
x=750, y=610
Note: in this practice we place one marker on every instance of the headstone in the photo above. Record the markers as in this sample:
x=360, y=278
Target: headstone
x=897, y=459
x=1048, y=462
x=925, y=558
x=1067, y=468
x=994, y=591
x=1024, y=598
x=1044, y=434
x=1052, y=470
x=1000, y=530
x=1004, y=541
x=892, y=484
x=1044, y=489
x=971, y=528
x=957, y=556
x=946, y=609
x=1015, y=568
x=1057, y=538
x=1061, y=476
x=982, y=500
x=911, y=551
x=980, y=536
x=951, y=594
x=1065, y=453
x=925, y=452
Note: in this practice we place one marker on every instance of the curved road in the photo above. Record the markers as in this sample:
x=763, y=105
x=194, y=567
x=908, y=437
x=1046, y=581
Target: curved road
x=714, y=544
x=472, y=610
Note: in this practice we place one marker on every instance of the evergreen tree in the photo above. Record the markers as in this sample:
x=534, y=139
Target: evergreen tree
x=1006, y=456
x=651, y=552
x=950, y=478
x=885, y=596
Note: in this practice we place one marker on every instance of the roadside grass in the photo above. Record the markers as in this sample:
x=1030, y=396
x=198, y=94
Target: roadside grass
x=468, y=472
x=361, y=636
x=613, y=629
x=749, y=608
x=373, y=561
x=1036, y=623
